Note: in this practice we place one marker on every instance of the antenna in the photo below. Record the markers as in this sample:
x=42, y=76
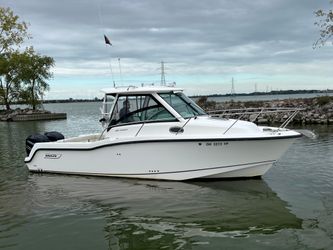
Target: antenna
x=162, y=74
x=121, y=77
x=232, y=87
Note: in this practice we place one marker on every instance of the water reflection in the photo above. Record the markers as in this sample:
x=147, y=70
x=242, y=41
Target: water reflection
x=138, y=214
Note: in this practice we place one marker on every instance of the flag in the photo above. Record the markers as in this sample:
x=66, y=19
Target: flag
x=107, y=41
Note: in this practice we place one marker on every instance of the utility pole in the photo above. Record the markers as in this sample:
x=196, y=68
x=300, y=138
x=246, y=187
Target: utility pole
x=232, y=87
x=162, y=74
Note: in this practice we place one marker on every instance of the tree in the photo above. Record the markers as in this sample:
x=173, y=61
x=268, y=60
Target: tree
x=9, y=82
x=12, y=35
x=34, y=71
x=12, y=31
x=325, y=25
x=22, y=74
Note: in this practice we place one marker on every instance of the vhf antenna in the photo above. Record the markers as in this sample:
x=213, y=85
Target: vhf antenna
x=121, y=77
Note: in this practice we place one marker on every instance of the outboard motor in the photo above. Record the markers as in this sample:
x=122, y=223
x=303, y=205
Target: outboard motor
x=38, y=138
x=32, y=139
x=54, y=136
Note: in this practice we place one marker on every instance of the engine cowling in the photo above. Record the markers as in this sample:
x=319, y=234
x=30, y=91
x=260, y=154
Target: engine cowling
x=39, y=138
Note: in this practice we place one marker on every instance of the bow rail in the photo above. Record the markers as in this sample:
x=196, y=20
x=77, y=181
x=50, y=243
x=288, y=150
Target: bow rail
x=252, y=114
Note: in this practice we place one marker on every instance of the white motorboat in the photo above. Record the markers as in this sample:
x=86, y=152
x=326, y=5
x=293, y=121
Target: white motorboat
x=156, y=132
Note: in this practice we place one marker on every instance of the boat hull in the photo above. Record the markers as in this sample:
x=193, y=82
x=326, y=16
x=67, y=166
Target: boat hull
x=163, y=159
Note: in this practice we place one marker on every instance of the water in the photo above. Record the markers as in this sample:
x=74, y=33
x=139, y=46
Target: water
x=289, y=208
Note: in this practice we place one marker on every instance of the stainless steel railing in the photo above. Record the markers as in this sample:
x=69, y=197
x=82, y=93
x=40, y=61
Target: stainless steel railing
x=254, y=114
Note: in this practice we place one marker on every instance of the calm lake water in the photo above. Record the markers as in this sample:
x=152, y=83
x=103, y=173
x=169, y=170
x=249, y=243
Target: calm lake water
x=291, y=207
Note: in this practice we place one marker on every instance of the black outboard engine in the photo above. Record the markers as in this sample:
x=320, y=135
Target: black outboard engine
x=38, y=138
x=54, y=136
x=32, y=139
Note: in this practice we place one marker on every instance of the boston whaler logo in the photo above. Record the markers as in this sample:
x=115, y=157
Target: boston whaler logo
x=52, y=156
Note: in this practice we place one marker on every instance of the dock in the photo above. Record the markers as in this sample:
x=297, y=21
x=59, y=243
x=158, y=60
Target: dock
x=20, y=116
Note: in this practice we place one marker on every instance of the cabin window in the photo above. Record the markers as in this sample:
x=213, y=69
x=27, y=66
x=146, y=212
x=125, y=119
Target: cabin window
x=137, y=109
x=182, y=104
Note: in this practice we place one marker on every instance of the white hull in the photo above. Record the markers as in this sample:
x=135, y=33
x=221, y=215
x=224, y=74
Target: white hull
x=161, y=159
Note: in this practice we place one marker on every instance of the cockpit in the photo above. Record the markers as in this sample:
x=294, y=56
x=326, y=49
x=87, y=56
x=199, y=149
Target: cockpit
x=123, y=108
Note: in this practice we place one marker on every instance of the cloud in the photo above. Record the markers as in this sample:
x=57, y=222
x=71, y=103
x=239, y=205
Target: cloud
x=195, y=38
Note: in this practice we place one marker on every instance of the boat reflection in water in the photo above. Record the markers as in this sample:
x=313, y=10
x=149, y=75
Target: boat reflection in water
x=136, y=214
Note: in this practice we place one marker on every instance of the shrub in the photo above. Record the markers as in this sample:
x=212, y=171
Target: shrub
x=323, y=100
x=205, y=104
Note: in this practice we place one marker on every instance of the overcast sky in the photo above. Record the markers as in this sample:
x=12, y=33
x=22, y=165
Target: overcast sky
x=263, y=43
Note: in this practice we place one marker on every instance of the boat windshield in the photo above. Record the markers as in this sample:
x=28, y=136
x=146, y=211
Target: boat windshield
x=138, y=109
x=182, y=104
x=108, y=103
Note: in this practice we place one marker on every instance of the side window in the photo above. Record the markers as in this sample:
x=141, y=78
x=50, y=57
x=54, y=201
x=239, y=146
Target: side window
x=121, y=110
x=138, y=108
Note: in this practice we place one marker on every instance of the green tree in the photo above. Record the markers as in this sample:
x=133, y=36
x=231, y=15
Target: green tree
x=22, y=74
x=34, y=72
x=9, y=82
x=325, y=24
x=12, y=31
x=12, y=34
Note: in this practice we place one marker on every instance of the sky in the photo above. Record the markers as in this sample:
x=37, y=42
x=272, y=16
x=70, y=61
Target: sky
x=263, y=45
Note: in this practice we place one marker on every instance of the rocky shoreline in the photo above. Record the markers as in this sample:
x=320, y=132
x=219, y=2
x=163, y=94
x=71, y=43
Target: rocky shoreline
x=29, y=115
x=318, y=110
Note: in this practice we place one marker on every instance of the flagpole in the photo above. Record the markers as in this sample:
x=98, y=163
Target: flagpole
x=114, y=83
x=108, y=43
